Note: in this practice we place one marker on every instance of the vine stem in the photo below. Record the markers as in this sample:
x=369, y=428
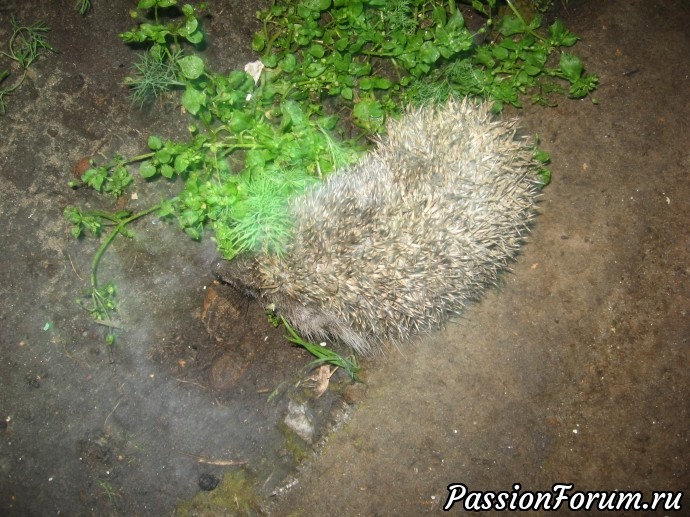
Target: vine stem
x=139, y=158
x=121, y=224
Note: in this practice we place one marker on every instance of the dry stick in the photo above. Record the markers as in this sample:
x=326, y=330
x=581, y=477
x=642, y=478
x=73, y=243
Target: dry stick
x=220, y=463
x=73, y=268
x=105, y=422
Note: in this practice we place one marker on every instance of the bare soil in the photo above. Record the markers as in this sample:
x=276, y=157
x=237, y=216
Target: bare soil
x=574, y=371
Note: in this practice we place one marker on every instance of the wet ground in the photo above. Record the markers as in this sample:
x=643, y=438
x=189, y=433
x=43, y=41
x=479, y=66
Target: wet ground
x=574, y=371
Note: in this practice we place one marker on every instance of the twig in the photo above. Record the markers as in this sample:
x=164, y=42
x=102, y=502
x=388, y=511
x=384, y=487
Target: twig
x=105, y=422
x=73, y=268
x=220, y=463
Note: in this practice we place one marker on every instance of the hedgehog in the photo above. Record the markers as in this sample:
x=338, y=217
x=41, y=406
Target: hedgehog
x=407, y=237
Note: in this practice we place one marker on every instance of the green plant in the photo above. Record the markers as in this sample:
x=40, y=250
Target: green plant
x=375, y=56
x=99, y=300
x=162, y=66
x=26, y=44
x=156, y=72
x=517, y=62
x=83, y=6
x=333, y=72
x=323, y=354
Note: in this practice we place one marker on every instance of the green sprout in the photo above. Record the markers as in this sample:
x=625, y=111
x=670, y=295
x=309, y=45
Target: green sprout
x=83, y=6
x=323, y=354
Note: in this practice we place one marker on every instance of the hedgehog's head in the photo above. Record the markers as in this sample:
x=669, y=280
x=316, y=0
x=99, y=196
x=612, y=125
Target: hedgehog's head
x=239, y=273
x=310, y=317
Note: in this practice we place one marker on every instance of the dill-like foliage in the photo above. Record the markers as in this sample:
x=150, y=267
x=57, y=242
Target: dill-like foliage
x=155, y=73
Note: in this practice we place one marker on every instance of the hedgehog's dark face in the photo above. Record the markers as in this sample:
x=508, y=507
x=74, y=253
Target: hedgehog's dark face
x=239, y=273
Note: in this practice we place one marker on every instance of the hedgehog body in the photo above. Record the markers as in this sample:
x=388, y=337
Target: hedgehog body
x=394, y=245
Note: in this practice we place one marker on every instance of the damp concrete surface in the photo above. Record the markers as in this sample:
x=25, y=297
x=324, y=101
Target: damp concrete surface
x=573, y=371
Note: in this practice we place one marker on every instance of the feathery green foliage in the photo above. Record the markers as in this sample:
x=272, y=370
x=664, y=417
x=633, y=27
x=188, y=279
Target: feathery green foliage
x=26, y=44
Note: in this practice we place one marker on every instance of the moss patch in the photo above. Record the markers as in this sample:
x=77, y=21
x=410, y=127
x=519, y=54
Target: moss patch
x=235, y=495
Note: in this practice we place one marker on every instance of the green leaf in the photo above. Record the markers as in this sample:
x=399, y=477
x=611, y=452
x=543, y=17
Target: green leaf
x=163, y=156
x=316, y=50
x=304, y=12
x=193, y=232
x=195, y=37
x=167, y=171
x=191, y=25
x=94, y=177
x=293, y=116
x=535, y=23
x=181, y=163
x=542, y=156
x=255, y=160
x=560, y=36
x=500, y=52
x=369, y=113
x=360, y=69
x=510, y=25
x=147, y=169
x=314, y=70
x=583, y=86
x=382, y=83
x=351, y=8
x=155, y=143
x=429, y=53
x=166, y=208
x=341, y=44
x=258, y=42
x=478, y=6
x=438, y=15
x=288, y=63
x=318, y=5
x=191, y=66
x=241, y=80
x=571, y=66
x=240, y=121
x=456, y=22
x=532, y=70
x=483, y=56
x=329, y=122
x=193, y=100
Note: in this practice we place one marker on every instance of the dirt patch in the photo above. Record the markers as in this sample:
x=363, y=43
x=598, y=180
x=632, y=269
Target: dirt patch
x=574, y=370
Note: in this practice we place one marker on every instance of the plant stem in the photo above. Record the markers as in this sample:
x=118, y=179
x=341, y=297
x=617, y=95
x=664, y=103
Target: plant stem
x=118, y=229
x=139, y=158
x=15, y=85
x=519, y=17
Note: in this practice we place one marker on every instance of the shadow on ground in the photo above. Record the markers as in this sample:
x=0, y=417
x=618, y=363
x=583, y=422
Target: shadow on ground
x=574, y=371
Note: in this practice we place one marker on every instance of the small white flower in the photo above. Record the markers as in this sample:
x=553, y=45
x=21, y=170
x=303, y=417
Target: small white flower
x=254, y=69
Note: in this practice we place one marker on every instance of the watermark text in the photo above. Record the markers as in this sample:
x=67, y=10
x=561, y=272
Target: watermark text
x=561, y=496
